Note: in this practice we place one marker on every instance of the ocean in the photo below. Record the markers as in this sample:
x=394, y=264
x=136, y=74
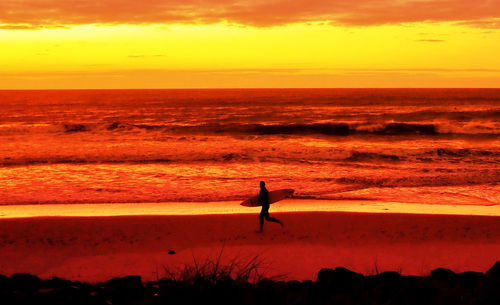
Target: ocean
x=431, y=146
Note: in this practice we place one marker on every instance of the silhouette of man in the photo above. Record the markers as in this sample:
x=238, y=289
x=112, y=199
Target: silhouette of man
x=264, y=201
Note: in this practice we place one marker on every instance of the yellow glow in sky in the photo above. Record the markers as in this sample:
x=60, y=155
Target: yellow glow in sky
x=223, y=55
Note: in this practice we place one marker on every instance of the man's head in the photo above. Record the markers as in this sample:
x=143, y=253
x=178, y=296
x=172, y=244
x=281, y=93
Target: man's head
x=262, y=184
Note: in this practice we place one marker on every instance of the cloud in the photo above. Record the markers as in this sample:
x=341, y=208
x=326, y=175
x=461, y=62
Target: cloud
x=485, y=24
x=430, y=40
x=29, y=14
x=20, y=26
x=144, y=56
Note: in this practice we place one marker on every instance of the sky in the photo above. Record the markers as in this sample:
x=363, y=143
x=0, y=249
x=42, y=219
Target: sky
x=72, y=44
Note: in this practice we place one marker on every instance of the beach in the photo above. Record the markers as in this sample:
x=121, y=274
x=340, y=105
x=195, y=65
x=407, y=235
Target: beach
x=96, y=244
x=103, y=183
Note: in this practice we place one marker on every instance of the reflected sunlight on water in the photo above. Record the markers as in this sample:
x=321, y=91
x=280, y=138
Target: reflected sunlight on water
x=416, y=146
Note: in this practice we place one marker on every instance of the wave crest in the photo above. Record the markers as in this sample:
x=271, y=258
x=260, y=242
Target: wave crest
x=329, y=129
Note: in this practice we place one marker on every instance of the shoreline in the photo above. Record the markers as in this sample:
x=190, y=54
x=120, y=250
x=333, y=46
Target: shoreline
x=233, y=207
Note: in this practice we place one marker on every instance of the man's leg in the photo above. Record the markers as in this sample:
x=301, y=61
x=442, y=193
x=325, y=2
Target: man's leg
x=261, y=218
x=272, y=219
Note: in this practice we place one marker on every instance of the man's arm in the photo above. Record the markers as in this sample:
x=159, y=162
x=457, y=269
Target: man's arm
x=264, y=197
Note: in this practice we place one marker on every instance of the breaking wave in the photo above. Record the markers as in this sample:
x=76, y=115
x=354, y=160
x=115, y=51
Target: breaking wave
x=292, y=154
x=328, y=129
x=332, y=129
x=357, y=156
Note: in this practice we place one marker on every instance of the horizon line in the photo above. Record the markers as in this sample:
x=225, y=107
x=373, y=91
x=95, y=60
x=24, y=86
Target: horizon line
x=242, y=88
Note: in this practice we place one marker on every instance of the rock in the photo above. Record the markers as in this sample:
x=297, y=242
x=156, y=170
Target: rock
x=127, y=283
x=25, y=282
x=388, y=276
x=493, y=275
x=340, y=279
x=489, y=287
x=469, y=279
x=3, y=280
x=56, y=282
x=443, y=275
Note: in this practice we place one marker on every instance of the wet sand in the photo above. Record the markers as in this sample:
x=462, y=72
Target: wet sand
x=96, y=248
x=233, y=207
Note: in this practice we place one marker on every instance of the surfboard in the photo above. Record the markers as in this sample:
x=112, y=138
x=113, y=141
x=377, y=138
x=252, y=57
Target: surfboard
x=274, y=196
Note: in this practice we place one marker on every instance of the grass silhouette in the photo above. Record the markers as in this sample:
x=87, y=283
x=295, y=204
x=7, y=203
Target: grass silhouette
x=213, y=271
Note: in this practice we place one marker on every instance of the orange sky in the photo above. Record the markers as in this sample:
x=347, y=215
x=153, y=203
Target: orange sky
x=231, y=43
